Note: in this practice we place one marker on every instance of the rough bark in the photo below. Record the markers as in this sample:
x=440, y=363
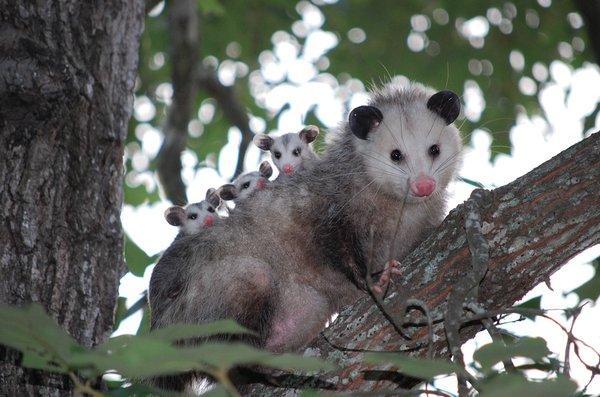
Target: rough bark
x=67, y=73
x=183, y=32
x=533, y=225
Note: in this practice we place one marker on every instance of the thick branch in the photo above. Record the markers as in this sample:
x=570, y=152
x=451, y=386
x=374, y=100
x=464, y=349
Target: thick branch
x=183, y=31
x=533, y=225
x=233, y=109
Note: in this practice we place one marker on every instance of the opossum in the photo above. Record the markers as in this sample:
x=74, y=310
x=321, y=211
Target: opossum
x=244, y=185
x=195, y=216
x=290, y=152
x=299, y=250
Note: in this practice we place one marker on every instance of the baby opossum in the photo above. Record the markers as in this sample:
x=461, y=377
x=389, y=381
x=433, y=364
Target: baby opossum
x=290, y=152
x=299, y=250
x=244, y=185
x=195, y=216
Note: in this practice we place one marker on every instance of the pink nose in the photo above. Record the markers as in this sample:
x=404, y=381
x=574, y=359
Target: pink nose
x=208, y=220
x=288, y=169
x=423, y=186
x=261, y=183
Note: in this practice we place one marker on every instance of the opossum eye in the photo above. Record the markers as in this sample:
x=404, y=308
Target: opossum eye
x=192, y=216
x=211, y=209
x=396, y=155
x=277, y=154
x=246, y=185
x=434, y=150
x=297, y=152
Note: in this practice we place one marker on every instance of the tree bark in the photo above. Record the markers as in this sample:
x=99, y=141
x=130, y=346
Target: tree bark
x=533, y=226
x=67, y=73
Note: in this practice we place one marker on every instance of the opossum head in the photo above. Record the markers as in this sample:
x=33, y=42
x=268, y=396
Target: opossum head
x=196, y=216
x=246, y=184
x=289, y=152
x=407, y=140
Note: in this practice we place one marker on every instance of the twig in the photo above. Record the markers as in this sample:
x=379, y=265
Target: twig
x=467, y=289
x=566, y=367
x=494, y=333
x=183, y=32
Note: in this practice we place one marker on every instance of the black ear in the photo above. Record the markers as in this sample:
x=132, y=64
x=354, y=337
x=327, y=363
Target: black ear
x=265, y=169
x=227, y=192
x=263, y=142
x=175, y=215
x=446, y=104
x=212, y=197
x=309, y=133
x=363, y=119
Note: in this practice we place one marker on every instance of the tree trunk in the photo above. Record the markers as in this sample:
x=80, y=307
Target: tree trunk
x=67, y=73
x=533, y=226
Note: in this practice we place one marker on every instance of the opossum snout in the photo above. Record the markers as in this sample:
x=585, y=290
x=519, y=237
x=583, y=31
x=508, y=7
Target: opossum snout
x=209, y=220
x=423, y=186
x=261, y=183
x=288, y=169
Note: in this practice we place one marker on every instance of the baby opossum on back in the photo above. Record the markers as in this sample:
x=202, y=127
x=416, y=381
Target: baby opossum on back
x=195, y=216
x=298, y=252
x=290, y=152
x=244, y=185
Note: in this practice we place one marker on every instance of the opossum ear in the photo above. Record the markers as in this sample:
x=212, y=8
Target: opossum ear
x=446, y=104
x=175, y=215
x=213, y=198
x=263, y=142
x=363, y=119
x=309, y=133
x=265, y=169
x=227, y=192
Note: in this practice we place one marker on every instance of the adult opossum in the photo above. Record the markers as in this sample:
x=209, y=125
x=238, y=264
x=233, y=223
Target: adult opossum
x=296, y=251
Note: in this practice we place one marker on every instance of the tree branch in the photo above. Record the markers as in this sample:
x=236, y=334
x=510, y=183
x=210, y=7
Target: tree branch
x=533, y=226
x=233, y=109
x=183, y=31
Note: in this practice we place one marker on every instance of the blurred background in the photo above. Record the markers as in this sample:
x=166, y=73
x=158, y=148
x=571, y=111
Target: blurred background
x=213, y=73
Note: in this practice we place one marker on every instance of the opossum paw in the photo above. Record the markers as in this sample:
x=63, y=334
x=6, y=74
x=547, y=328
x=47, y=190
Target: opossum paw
x=391, y=267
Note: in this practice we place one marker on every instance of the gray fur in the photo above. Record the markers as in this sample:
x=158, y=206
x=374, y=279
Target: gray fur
x=196, y=216
x=297, y=251
x=287, y=147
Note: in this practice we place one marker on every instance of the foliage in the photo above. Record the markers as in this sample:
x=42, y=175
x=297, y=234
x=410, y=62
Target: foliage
x=47, y=347
x=445, y=44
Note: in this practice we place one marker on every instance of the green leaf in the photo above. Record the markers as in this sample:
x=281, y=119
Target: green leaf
x=137, y=357
x=137, y=260
x=495, y=352
x=471, y=182
x=120, y=312
x=43, y=343
x=412, y=366
x=211, y=7
x=514, y=385
x=144, y=327
x=138, y=390
x=533, y=303
x=591, y=288
x=227, y=355
x=178, y=332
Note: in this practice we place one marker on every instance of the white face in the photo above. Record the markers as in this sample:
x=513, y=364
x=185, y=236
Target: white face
x=411, y=151
x=198, y=216
x=248, y=183
x=289, y=152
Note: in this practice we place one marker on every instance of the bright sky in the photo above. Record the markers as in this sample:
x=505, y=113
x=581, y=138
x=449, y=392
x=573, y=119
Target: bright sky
x=567, y=99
